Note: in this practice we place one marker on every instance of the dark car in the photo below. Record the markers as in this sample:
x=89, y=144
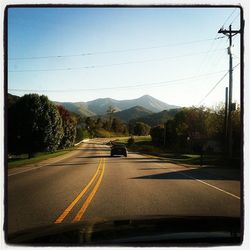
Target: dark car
x=119, y=149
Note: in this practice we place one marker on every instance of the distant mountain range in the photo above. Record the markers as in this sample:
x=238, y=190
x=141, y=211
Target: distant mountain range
x=145, y=109
x=132, y=113
x=100, y=106
x=155, y=119
x=80, y=108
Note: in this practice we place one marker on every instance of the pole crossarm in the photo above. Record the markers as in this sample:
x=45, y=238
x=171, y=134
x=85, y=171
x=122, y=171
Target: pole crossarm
x=228, y=32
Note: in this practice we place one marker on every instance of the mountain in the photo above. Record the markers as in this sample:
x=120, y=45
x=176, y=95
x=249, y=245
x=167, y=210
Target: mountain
x=76, y=107
x=100, y=106
x=132, y=113
x=157, y=118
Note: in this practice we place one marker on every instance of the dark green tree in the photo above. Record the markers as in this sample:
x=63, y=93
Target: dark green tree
x=34, y=125
x=236, y=131
x=170, y=133
x=90, y=126
x=98, y=123
x=110, y=112
x=69, y=128
x=157, y=135
x=119, y=127
x=141, y=128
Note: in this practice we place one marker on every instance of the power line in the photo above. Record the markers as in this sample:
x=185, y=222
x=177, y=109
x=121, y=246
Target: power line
x=217, y=83
x=112, y=51
x=114, y=64
x=134, y=85
x=212, y=45
x=207, y=59
x=235, y=19
x=229, y=17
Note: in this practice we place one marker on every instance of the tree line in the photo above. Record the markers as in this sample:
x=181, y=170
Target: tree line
x=107, y=126
x=195, y=129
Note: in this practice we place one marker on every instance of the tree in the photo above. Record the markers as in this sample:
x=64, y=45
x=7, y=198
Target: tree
x=214, y=123
x=90, y=125
x=98, y=123
x=110, y=111
x=69, y=128
x=34, y=125
x=236, y=130
x=170, y=133
x=157, y=134
x=141, y=128
x=119, y=127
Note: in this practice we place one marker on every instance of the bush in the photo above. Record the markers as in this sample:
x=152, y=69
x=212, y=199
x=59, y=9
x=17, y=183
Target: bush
x=34, y=125
x=131, y=141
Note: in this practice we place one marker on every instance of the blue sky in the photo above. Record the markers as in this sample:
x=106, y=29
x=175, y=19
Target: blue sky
x=80, y=54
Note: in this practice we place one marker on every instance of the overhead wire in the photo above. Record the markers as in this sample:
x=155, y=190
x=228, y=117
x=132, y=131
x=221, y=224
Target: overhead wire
x=235, y=18
x=134, y=85
x=229, y=17
x=205, y=60
x=112, y=64
x=113, y=51
x=220, y=55
x=216, y=84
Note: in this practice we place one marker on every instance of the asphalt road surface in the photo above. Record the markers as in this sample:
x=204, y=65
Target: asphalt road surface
x=88, y=184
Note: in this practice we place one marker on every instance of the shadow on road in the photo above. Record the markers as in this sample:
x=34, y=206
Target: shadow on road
x=205, y=173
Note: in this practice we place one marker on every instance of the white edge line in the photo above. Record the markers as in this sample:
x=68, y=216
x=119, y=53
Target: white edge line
x=210, y=185
x=235, y=196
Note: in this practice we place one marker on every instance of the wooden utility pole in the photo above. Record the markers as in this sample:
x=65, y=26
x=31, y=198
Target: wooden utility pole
x=230, y=33
x=226, y=120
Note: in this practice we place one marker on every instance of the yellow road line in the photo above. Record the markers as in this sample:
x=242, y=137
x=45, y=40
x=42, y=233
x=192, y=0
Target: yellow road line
x=90, y=197
x=69, y=208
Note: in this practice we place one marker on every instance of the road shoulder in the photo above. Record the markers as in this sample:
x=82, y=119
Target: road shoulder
x=43, y=163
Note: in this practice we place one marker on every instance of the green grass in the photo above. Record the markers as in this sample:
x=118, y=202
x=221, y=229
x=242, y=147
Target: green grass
x=102, y=133
x=137, y=139
x=22, y=160
x=144, y=145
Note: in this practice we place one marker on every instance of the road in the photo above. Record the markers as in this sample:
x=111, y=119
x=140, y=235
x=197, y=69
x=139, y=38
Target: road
x=88, y=184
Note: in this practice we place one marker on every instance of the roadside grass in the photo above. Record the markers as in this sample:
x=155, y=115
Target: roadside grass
x=144, y=145
x=21, y=160
x=102, y=133
x=138, y=139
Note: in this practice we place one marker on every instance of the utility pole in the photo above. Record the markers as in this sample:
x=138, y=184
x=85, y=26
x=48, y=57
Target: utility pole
x=225, y=121
x=230, y=33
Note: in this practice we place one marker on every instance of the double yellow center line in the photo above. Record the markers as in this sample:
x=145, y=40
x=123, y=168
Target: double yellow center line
x=100, y=172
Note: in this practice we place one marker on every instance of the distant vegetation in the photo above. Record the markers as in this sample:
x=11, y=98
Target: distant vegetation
x=196, y=130
x=36, y=124
x=155, y=119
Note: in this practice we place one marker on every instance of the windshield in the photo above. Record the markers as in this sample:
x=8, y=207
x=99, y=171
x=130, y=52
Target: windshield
x=124, y=125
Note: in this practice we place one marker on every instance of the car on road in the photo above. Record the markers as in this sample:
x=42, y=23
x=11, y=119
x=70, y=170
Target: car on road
x=119, y=149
